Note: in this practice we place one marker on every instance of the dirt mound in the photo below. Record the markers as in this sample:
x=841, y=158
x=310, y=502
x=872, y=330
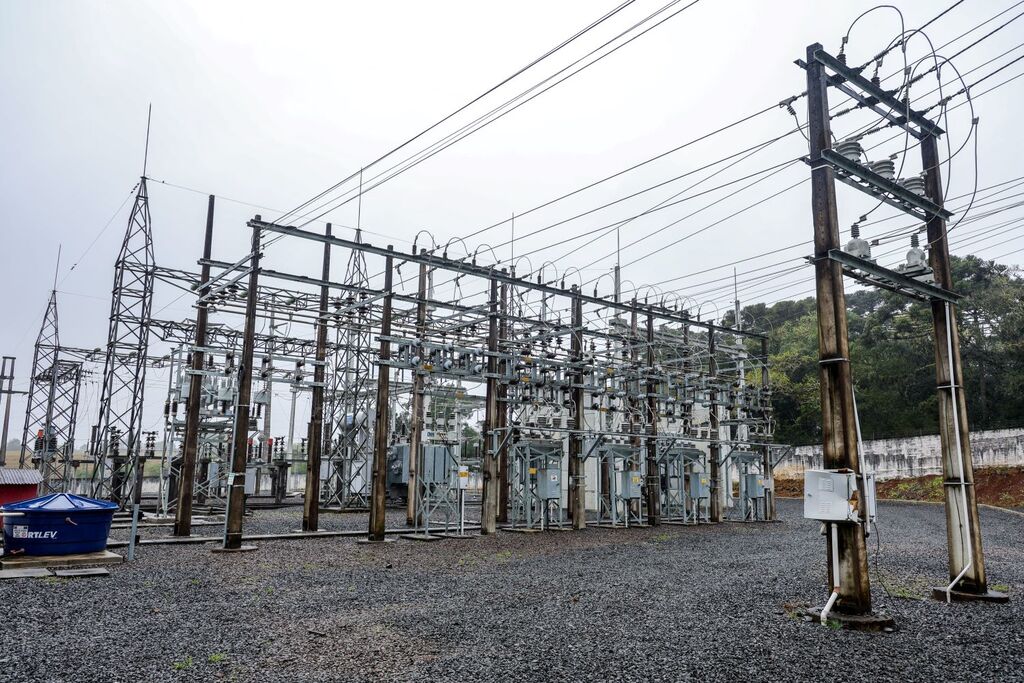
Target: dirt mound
x=1001, y=486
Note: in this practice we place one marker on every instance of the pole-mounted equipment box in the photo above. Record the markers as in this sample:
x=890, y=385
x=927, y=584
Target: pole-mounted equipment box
x=831, y=495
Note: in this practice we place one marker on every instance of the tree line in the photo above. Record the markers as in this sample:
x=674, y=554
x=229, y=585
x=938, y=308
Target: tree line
x=893, y=356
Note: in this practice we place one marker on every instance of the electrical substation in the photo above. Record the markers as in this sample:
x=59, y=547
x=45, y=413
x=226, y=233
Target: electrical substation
x=460, y=392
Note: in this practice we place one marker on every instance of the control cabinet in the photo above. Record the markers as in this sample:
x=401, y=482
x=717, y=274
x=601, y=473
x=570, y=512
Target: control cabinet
x=830, y=496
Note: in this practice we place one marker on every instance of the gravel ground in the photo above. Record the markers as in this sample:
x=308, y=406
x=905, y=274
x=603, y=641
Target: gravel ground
x=672, y=603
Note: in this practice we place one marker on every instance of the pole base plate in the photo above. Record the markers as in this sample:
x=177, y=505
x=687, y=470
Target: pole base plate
x=239, y=549
x=941, y=594
x=423, y=538
x=855, y=622
x=374, y=541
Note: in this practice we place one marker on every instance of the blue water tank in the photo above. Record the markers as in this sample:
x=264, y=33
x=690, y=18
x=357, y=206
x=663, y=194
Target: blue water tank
x=58, y=524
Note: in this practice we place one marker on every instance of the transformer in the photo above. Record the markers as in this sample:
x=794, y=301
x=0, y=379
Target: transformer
x=398, y=464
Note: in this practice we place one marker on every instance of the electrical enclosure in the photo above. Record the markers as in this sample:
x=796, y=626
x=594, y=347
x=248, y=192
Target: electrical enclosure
x=699, y=486
x=830, y=496
x=755, y=485
x=630, y=482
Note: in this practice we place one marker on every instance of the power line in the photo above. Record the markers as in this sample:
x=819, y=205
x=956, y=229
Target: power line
x=468, y=129
x=476, y=99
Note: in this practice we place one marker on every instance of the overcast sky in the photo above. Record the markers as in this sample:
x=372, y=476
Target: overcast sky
x=270, y=103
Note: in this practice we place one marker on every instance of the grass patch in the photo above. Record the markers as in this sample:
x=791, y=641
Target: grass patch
x=217, y=658
x=1001, y=587
x=905, y=588
x=503, y=555
x=182, y=664
x=902, y=592
x=661, y=538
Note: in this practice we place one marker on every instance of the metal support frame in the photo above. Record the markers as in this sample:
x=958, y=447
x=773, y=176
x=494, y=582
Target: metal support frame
x=351, y=399
x=116, y=441
x=871, y=273
x=52, y=409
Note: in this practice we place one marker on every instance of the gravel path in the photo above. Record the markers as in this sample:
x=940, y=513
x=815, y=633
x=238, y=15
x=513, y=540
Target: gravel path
x=673, y=603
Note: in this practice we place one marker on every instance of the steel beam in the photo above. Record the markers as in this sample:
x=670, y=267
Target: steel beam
x=440, y=263
x=897, y=281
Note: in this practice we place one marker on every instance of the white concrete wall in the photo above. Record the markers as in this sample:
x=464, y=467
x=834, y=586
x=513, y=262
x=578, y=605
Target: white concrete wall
x=916, y=456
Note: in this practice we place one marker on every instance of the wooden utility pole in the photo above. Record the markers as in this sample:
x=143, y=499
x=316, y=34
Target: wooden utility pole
x=635, y=423
x=6, y=388
x=236, y=479
x=268, y=387
x=963, y=530
x=379, y=487
x=766, y=450
x=489, y=497
x=715, y=446
x=187, y=470
x=416, y=428
x=837, y=412
x=577, y=478
x=314, y=454
x=653, y=482
x=502, y=512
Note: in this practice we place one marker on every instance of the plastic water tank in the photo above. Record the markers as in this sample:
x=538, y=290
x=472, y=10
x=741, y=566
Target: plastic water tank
x=58, y=524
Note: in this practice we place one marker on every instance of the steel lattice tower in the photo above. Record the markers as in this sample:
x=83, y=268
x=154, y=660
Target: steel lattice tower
x=349, y=428
x=52, y=407
x=116, y=441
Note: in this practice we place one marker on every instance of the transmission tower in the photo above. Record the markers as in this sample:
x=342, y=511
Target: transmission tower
x=117, y=433
x=350, y=439
x=48, y=440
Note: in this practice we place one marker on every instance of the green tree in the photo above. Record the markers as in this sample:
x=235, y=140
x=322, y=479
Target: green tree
x=893, y=356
